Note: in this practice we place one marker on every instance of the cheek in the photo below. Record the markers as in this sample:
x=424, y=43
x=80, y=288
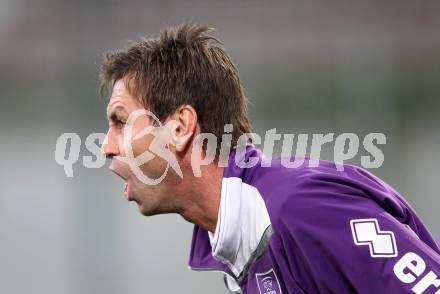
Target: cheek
x=141, y=145
x=156, y=166
x=137, y=146
x=153, y=168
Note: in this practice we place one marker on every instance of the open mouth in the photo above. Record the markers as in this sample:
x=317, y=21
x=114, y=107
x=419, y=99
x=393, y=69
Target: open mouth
x=126, y=189
x=119, y=172
x=127, y=192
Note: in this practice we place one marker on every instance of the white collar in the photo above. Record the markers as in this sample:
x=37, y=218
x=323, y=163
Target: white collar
x=241, y=224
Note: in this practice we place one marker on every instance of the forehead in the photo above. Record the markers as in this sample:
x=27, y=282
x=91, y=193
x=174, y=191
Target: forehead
x=122, y=97
x=119, y=92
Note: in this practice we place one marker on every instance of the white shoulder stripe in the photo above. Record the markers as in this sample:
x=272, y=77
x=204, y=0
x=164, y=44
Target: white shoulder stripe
x=243, y=220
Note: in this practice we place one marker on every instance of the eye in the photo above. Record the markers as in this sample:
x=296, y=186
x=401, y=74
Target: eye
x=120, y=124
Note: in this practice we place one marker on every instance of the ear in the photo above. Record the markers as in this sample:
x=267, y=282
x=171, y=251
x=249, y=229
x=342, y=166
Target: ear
x=183, y=125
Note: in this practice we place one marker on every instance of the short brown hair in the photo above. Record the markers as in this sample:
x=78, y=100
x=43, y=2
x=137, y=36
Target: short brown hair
x=184, y=65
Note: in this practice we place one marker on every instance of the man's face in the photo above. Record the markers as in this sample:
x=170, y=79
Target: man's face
x=152, y=199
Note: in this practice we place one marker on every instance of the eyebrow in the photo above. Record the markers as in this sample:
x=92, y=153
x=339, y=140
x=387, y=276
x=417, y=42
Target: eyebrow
x=116, y=113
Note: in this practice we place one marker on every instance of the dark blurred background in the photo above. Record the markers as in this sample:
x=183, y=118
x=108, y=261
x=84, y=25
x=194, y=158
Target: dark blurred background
x=308, y=67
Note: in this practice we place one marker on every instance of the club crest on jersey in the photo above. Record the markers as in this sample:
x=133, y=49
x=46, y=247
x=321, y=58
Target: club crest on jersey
x=268, y=283
x=367, y=232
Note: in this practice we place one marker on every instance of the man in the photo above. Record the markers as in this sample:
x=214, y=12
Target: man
x=270, y=229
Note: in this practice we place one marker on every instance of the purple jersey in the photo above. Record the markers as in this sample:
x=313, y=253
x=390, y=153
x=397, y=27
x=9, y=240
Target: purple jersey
x=315, y=230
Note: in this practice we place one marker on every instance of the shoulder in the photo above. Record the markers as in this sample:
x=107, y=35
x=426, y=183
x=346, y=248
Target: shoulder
x=298, y=191
x=315, y=194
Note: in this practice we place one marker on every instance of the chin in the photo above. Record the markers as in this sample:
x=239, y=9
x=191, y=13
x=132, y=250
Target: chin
x=150, y=209
x=147, y=210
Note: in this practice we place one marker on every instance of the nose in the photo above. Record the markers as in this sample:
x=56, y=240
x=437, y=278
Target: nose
x=109, y=147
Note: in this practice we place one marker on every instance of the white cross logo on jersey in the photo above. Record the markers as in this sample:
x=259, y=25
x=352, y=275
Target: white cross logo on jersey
x=367, y=232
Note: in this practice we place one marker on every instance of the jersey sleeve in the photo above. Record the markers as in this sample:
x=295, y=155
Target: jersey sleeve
x=340, y=239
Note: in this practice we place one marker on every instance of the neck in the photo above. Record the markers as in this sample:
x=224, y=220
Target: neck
x=202, y=197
